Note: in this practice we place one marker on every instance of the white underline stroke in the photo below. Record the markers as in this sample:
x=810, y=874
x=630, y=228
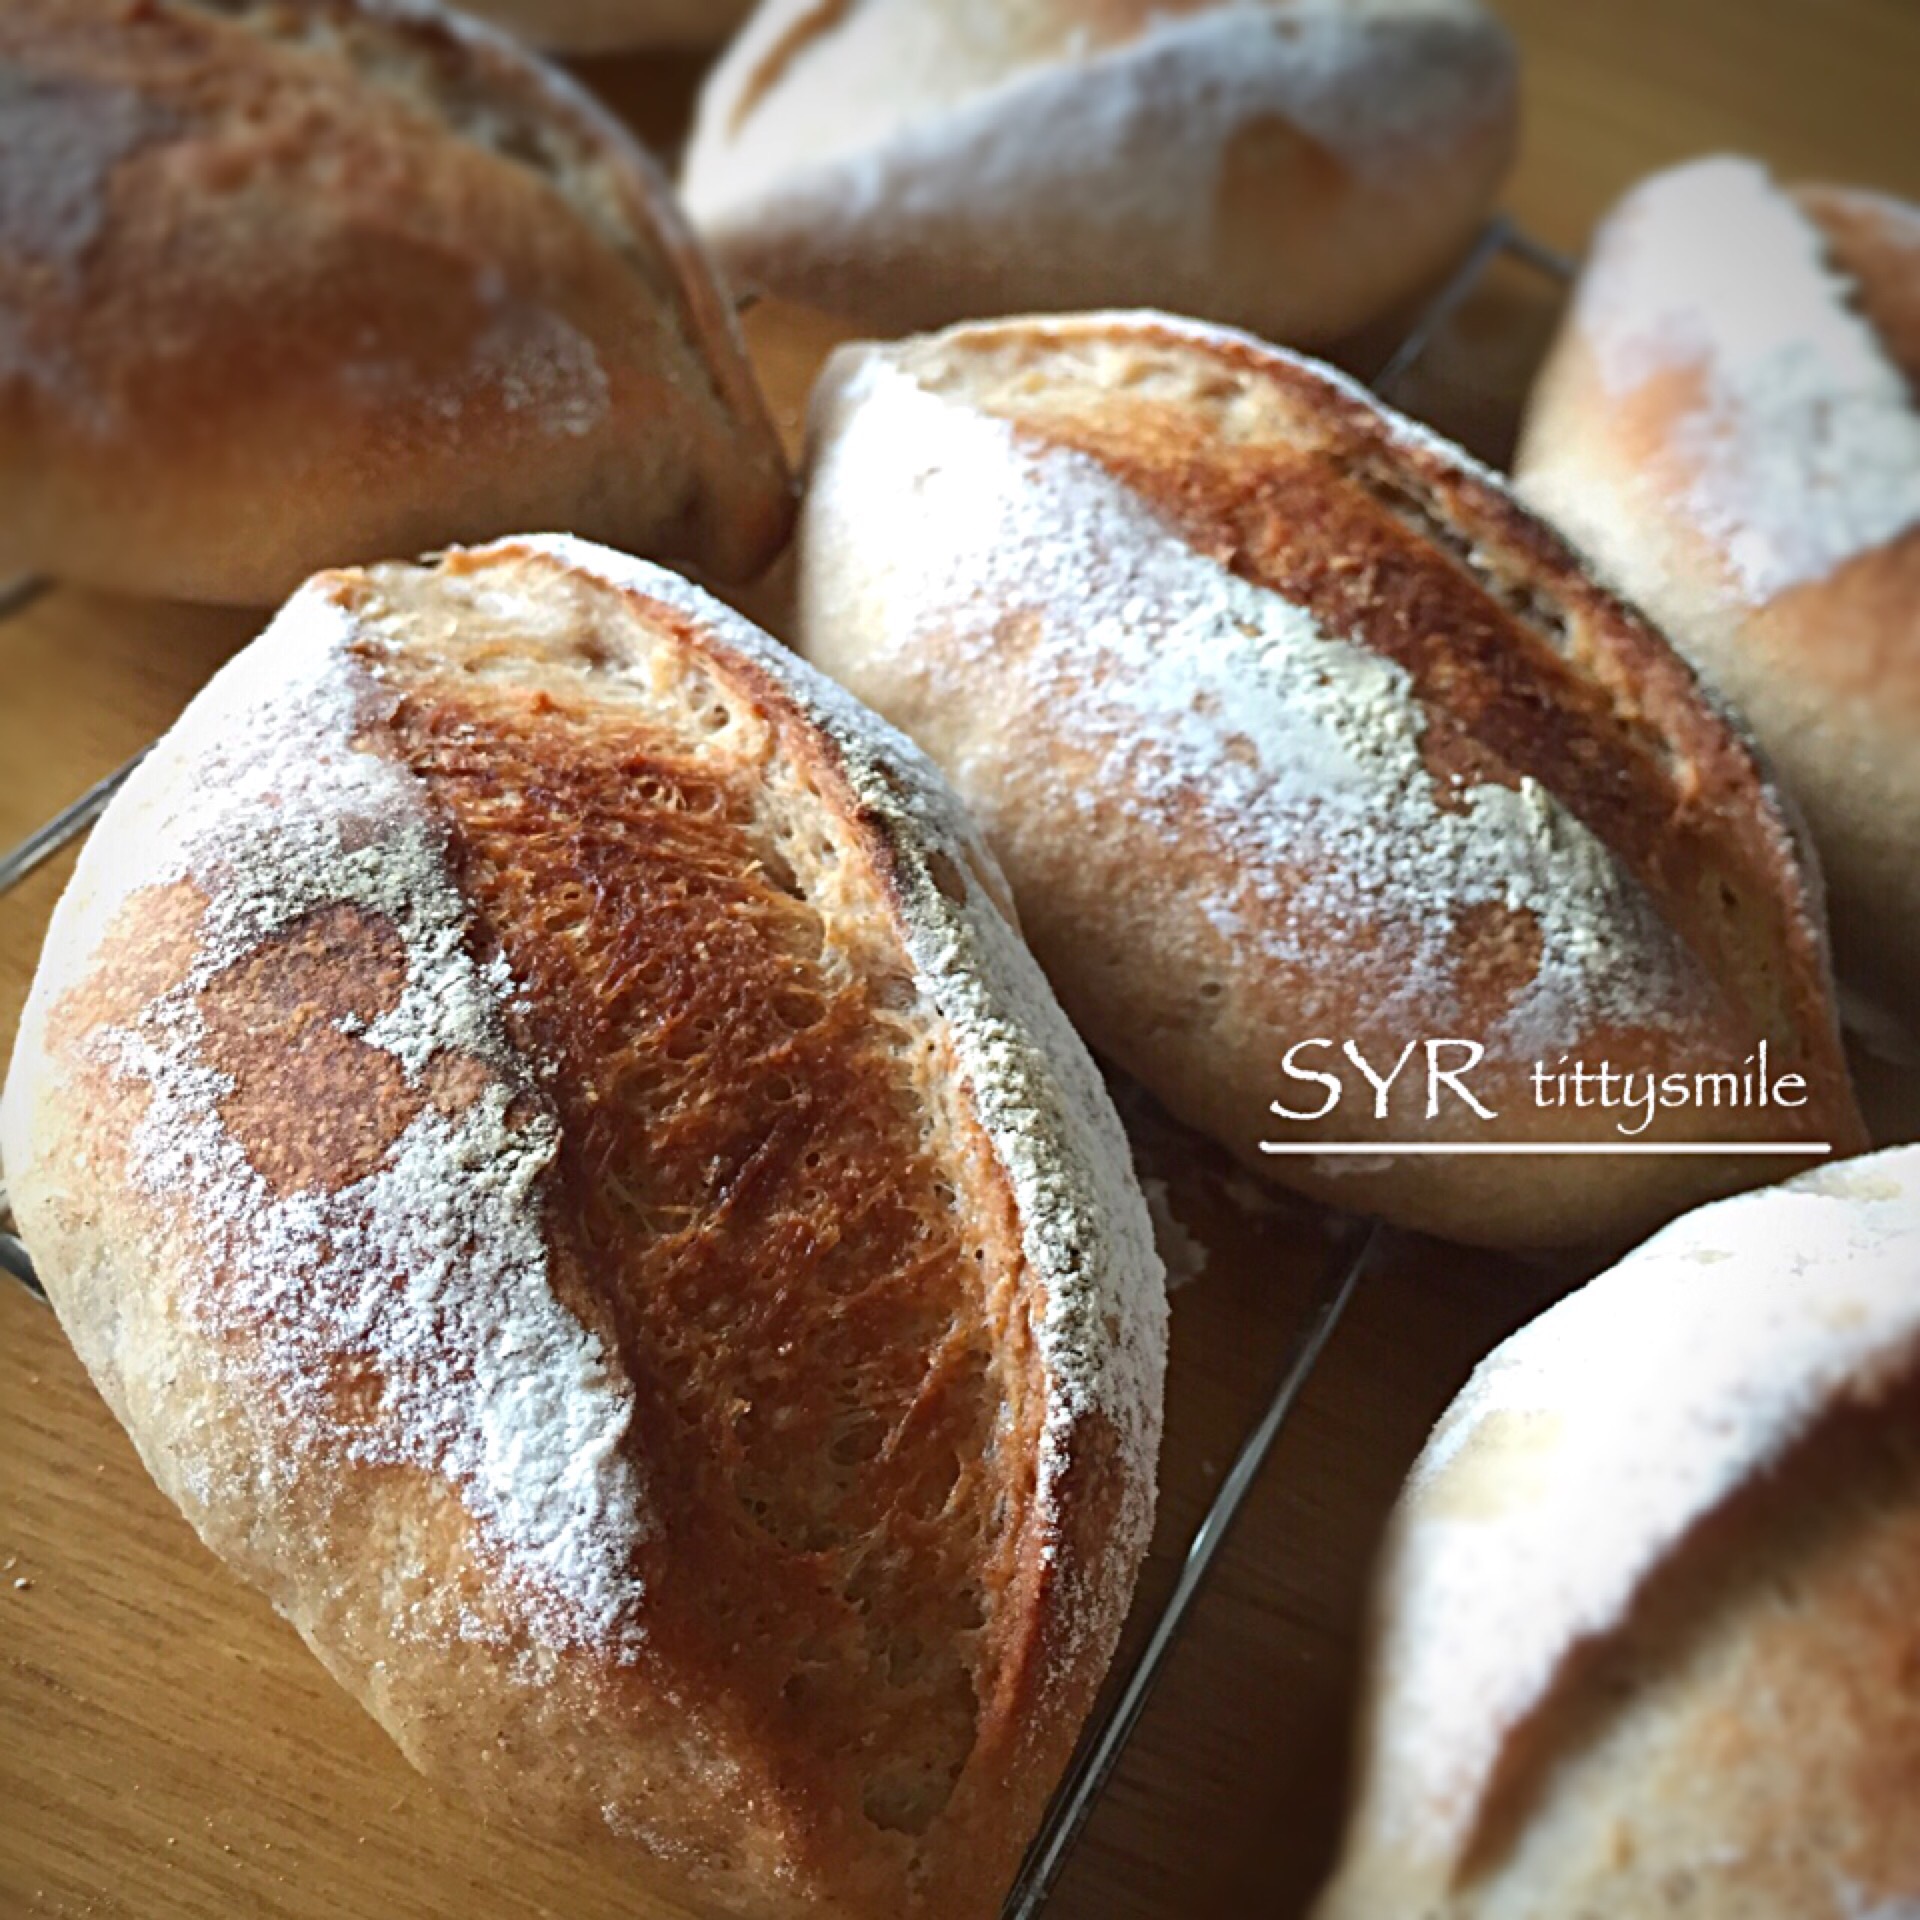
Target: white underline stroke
x=1807, y=1149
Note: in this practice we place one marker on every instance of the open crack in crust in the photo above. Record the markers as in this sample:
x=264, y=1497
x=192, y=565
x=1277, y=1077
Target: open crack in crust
x=854, y=1375
x=466, y=285
x=1182, y=465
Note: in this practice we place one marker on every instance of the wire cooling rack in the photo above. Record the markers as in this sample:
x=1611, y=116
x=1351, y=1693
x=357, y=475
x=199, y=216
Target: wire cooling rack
x=1126, y=1694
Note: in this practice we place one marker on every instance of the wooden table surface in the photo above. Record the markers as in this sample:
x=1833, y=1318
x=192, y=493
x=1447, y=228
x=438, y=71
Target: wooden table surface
x=171, y=1751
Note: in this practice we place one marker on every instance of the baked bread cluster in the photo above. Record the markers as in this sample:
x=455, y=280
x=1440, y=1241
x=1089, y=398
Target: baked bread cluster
x=538, y=1110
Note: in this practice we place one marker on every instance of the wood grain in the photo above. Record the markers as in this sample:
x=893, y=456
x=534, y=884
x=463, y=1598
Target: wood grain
x=171, y=1752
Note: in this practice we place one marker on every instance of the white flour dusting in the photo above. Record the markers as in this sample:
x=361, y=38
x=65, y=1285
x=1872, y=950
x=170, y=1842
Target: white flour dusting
x=1855, y=1903
x=899, y=117
x=434, y=1267
x=1805, y=446
x=544, y=366
x=524, y=359
x=1301, y=751
x=63, y=141
x=1375, y=83
x=1183, y=1253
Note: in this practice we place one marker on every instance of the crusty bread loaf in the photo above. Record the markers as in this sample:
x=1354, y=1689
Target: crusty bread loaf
x=533, y=1117
x=1728, y=425
x=285, y=283
x=1295, y=166
x=613, y=26
x=1288, y=724
x=1644, y=1635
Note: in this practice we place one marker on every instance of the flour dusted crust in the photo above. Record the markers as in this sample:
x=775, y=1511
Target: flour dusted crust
x=1294, y=166
x=1287, y=723
x=1728, y=425
x=534, y=1119
x=1644, y=1618
x=615, y=26
x=291, y=283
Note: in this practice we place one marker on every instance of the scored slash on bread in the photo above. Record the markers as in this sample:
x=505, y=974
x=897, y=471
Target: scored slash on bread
x=534, y=1119
x=1287, y=722
x=1643, y=1633
x=1729, y=426
x=1294, y=167
x=289, y=283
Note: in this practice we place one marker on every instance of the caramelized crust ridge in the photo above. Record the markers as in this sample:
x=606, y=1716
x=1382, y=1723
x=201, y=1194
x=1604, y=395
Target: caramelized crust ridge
x=749, y=1203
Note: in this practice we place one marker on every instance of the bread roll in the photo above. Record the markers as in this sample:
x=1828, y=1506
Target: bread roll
x=1295, y=166
x=1289, y=725
x=1728, y=425
x=614, y=26
x=291, y=282
x=533, y=1118
x=1644, y=1624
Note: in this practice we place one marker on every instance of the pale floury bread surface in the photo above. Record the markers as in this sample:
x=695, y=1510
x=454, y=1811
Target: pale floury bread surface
x=534, y=1120
x=1289, y=725
x=1643, y=1641
x=616, y=26
x=1728, y=425
x=297, y=282
x=1294, y=166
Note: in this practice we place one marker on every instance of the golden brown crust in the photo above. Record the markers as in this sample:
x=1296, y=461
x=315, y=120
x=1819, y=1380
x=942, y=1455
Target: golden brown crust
x=1875, y=242
x=1524, y=665
x=298, y=283
x=742, y=1148
x=865, y=1533
x=1196, y=958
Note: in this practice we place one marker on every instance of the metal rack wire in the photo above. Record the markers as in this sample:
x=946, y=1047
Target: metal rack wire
x=1126, y=1696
